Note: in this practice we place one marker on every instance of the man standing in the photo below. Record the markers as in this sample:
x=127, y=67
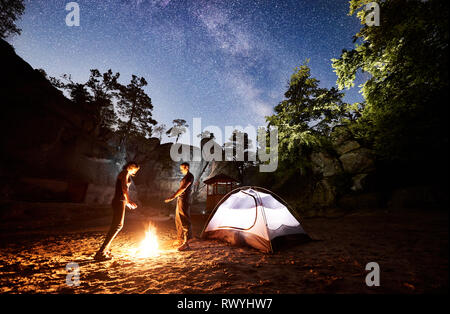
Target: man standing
x=183, y=214
x=119, y=203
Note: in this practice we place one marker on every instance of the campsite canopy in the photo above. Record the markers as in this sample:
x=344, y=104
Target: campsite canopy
x=253, y=216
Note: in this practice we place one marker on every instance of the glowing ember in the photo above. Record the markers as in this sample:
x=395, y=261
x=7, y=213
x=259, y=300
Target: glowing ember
x=149, y=246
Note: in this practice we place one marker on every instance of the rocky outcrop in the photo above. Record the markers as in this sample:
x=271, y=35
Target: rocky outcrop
x=357, y=161
x=345, y=169
x=359, y=182
x=325, y=165
x=346, y=146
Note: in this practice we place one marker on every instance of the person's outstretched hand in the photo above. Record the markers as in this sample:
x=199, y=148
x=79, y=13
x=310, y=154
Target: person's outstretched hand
x=167, y=200
x=132, y=205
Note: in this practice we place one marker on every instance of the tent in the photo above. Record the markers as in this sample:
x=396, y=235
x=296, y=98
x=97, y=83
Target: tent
x=251, y=216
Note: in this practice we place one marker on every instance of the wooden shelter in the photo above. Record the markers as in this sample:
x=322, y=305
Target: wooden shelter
x=217, y=187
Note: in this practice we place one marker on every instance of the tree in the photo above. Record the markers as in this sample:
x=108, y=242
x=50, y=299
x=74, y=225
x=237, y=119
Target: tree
x=10, y=11
x=238, y=149
x=406, y=112
x=306, y=117
x=159, y=130
x=101, y=87
x=99, y=95
x=135, y=107
x=179, y=128
x=78, y=92
x=95, y=97
x=206, y=135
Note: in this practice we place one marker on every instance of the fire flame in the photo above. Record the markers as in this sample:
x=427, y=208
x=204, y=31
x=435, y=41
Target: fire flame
x=149, y=247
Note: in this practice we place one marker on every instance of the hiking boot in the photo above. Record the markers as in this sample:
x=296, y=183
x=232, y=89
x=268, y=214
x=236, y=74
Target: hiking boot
x=102, y=256
x=177, y=242
x=185, y=246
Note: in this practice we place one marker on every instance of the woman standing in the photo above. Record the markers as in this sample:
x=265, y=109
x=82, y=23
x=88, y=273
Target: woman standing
x=120, y=201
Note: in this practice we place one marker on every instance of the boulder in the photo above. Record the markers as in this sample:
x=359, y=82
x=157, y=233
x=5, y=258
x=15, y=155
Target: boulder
x=98, y=194
x=325, y=164
x=358, y=161
x=359, y=182
x=347, y=147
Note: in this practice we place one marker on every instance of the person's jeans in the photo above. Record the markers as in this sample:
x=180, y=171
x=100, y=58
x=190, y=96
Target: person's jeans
x=183, y=220
x=116, y=224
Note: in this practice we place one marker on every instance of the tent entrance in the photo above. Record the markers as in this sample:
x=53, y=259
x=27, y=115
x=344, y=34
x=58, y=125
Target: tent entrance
x=254, y=221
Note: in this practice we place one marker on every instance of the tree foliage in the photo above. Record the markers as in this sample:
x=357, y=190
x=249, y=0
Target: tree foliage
x=179, y=128
x=159, y=130
x=135, y=108
x=112, y=106
x=10, y=11
x=206, y=135
x=405, y=114
x=238, y=151
x=95, y=97
x=306, y=117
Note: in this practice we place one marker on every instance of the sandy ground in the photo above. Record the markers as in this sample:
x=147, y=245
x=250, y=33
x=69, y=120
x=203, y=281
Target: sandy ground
x=411, y=248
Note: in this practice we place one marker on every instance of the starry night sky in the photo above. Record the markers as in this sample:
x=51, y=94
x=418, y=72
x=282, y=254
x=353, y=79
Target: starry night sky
x=227, y=62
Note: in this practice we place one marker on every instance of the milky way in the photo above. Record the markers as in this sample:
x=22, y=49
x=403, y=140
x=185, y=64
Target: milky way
x=227, y=62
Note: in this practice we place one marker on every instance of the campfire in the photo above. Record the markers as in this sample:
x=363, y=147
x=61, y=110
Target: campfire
x=149, y=246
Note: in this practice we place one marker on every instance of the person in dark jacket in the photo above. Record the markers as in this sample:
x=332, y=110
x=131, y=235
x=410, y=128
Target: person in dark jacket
x=119, y=203
x=182, y=213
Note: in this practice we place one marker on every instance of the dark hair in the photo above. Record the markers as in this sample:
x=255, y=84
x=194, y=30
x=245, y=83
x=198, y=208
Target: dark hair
x=185, y=164
x=130, y=163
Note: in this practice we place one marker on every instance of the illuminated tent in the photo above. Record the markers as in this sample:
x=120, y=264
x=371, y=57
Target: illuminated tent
x=251, y=216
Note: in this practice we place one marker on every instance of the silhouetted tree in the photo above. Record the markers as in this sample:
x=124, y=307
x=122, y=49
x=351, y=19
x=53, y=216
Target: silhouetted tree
x=95, y=97
x=406, y=112
x=101, y=86
x=206, y=135
x=98, y=97
x=10, y=11
x=135, y=107
x=77, y=92
x=238, y=147
x=179, y=128
x=159, y=130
